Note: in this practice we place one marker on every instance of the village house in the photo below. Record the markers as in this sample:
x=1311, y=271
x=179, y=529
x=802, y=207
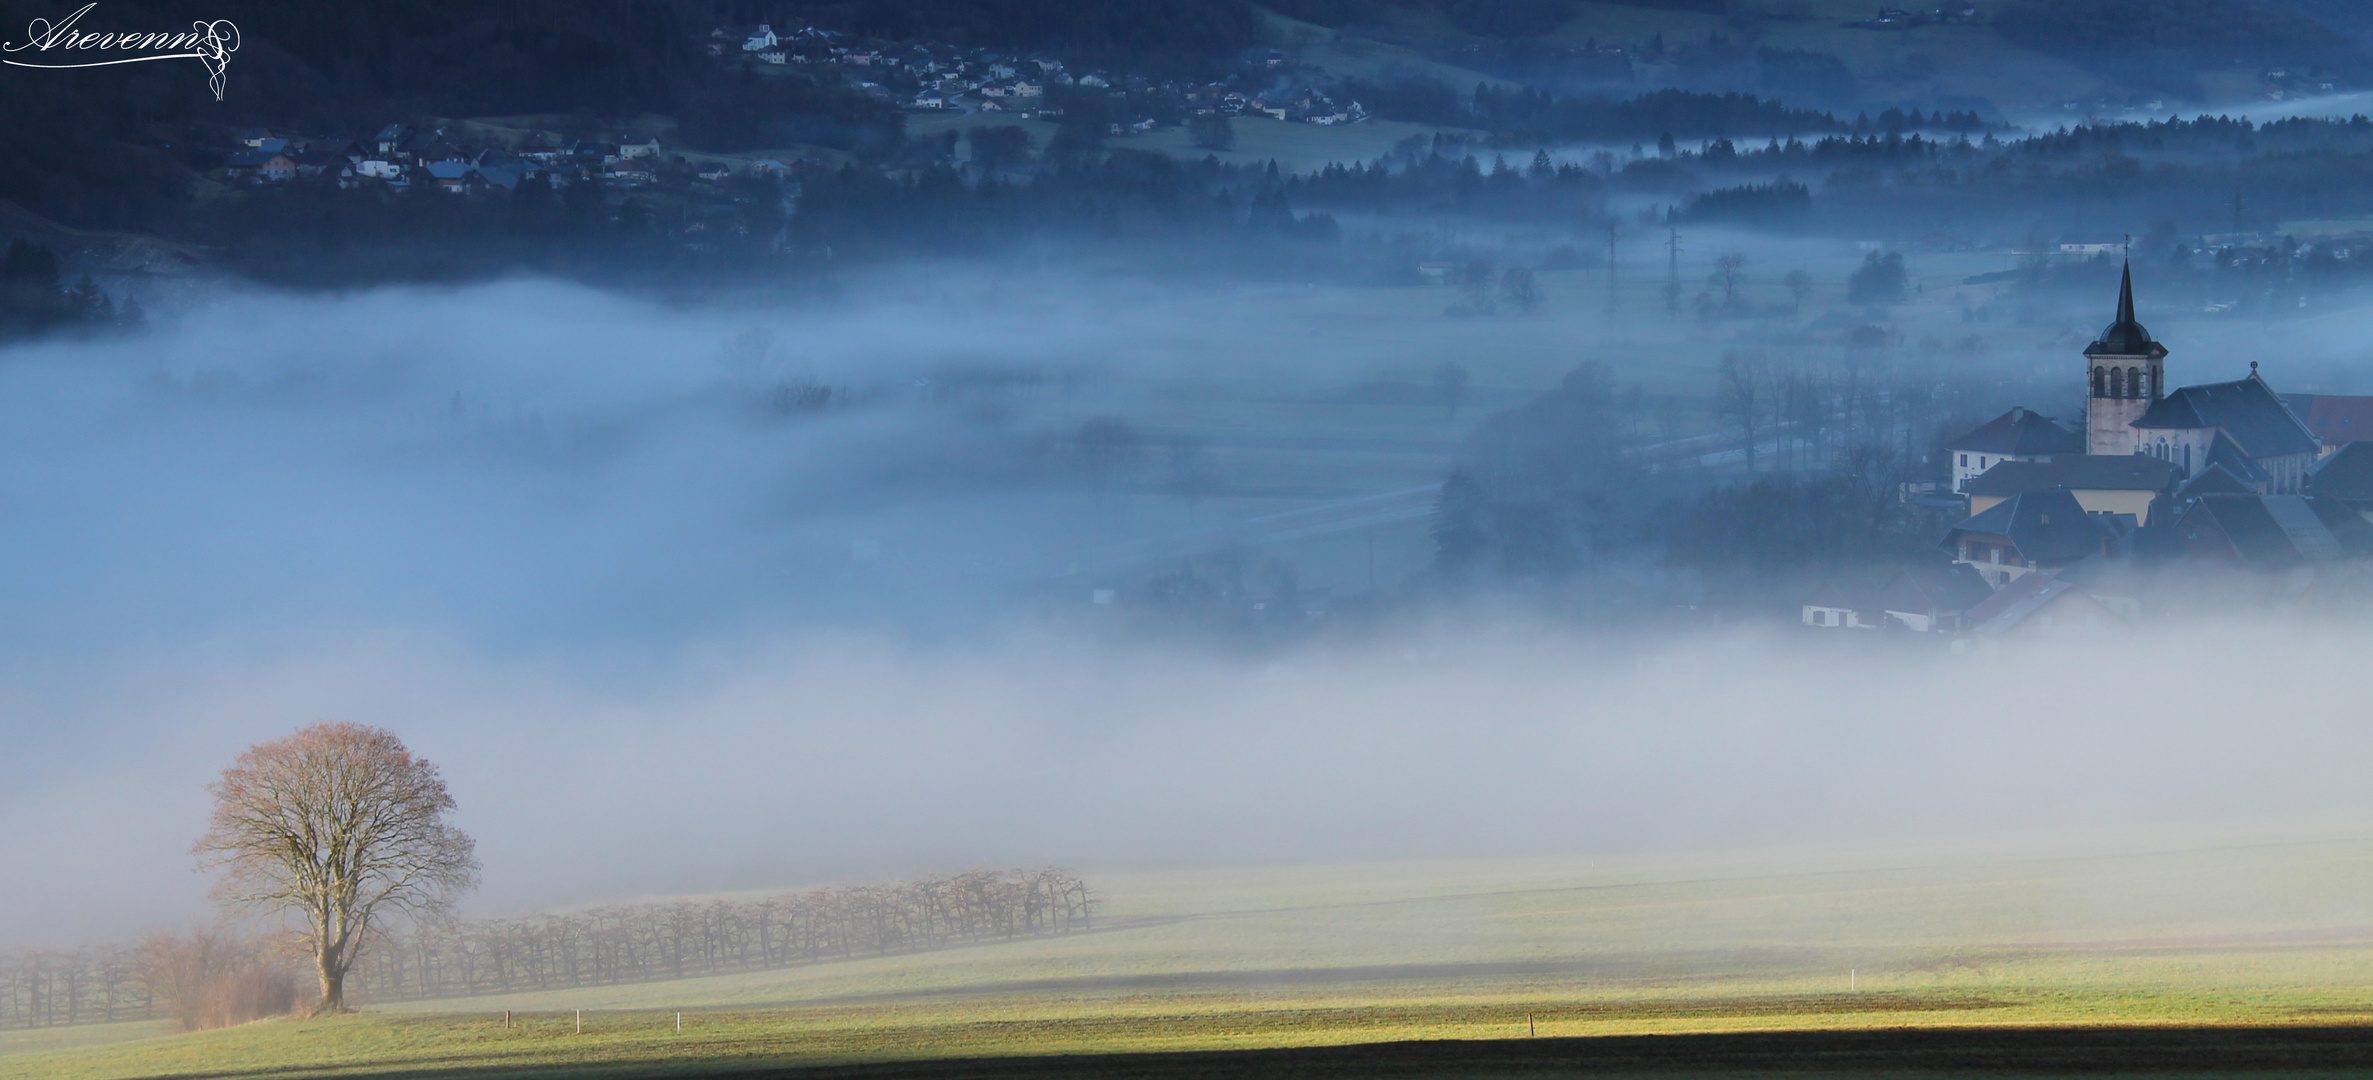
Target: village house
x=2030, y=531
x=2272, y=533
x=2126, y=485
x=2018, y=435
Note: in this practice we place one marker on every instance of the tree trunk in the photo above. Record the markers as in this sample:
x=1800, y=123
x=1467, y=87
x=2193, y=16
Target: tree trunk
x=333, y=983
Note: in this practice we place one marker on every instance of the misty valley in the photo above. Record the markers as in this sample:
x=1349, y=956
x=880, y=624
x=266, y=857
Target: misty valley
x=1428, y=538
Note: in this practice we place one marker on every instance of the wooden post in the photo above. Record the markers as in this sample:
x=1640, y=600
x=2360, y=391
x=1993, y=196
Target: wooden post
x=679, y=1023
x=580, y=1021
x=1529, y=1027
x=506, y=1018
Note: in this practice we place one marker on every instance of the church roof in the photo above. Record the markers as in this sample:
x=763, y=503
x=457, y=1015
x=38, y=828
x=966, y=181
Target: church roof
x=2048, y=527
x=2346, y=475
x=2021, y=432
x=2076, y=472
x=2125, y=336
x=2247, y=409
x=2225, y=454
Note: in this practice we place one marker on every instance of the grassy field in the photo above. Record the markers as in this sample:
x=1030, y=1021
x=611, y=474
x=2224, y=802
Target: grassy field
x=2243, y=931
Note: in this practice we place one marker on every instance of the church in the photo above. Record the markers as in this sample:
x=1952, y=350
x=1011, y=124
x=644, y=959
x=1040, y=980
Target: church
x=2225, y=473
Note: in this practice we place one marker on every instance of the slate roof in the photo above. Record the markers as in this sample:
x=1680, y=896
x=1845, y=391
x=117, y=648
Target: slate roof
x=2047, y=527
x=2213, y=480
x=2076, y=472
x=2011, y=604
x=2247, y=409
x=1928, y=590
x=2346, y=475
x=2274, y=532
x=2124, y=336
x=2022, y=432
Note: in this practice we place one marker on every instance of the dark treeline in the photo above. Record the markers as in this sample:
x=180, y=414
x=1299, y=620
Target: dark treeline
x=211, y=977
x=2159, y=44
x=651, y=942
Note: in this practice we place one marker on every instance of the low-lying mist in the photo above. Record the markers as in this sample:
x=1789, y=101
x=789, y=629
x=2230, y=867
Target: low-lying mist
x=700, y=599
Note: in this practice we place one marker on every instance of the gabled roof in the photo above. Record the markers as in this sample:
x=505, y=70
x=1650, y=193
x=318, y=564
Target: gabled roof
x=2076, y=472
x=2213, y=480
x=2020, y=432
x=2247, y=409
x=1928, y=590
x=2124, y=336
x=2048, y=527
x=2275, y=532
x=2011, y=604
x=2334, y=418
x=2346, y=475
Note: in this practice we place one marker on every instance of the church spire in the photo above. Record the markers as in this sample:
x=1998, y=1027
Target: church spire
x=2126, y=337
x=2126, y=295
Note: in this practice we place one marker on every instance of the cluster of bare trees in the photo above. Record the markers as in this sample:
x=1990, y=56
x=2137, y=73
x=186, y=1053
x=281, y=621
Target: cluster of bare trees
x=648, y=942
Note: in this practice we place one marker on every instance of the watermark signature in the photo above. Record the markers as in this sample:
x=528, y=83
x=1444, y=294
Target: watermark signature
x=208, y=42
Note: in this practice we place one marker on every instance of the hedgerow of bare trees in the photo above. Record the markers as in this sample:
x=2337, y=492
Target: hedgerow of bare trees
x=211, y=977
x=650, y=942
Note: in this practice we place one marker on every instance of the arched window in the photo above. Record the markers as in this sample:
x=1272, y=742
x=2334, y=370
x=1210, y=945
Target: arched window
x=2133, y=382
x=2117, y=383
x=2097, y=382
x=2156, y=376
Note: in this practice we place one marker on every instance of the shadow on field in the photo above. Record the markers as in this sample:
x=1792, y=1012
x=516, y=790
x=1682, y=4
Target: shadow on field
x=2197, y=1053
x=2191, y=1052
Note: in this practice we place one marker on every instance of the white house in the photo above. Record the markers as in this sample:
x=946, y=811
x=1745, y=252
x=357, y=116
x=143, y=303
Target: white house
x=763, y=38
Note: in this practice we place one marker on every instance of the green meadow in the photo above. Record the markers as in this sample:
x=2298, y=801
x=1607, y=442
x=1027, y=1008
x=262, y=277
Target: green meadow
x=2240, y=933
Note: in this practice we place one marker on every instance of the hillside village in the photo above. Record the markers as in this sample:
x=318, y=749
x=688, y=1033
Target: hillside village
x=918, y=77
x=2230, y=487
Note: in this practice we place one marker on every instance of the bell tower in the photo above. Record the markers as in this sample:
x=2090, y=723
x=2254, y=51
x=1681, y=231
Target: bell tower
x=2128, y=373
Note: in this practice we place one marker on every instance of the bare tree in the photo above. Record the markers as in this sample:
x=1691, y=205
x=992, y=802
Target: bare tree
x=1740, y=390
x=1730, y=271
x=1800, y=285
x=342, y=823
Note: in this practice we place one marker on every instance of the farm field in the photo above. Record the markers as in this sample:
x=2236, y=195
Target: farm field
x=2271, y=930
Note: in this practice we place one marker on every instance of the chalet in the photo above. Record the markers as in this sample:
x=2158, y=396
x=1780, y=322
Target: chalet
x=456, y=177
x=391, y=138
x=2273, y=533
x=2032, y=530
x=638, y=146
x=714, y=171
x=2102, y=484
x=2018, y=435
x=2346, y=477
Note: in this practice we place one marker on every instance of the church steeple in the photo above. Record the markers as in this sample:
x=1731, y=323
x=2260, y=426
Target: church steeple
x=2126, y=337
x=2128, y=371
